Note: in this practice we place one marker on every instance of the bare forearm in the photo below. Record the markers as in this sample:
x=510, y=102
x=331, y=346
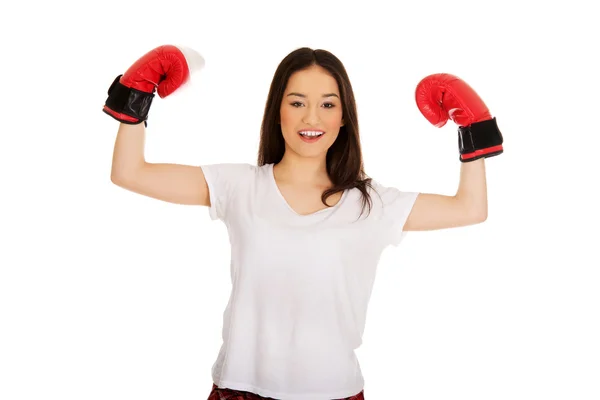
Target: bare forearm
x=128, y=153
x=472, y=188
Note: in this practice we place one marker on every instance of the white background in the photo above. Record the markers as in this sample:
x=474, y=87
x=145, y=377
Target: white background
x=105, y=294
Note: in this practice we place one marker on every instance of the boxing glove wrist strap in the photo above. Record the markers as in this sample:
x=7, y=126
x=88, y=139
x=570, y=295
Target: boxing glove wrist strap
x=481, y=139
x=131, y=102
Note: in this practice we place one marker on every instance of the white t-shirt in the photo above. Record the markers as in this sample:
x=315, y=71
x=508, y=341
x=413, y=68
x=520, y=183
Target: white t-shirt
x=300, y=283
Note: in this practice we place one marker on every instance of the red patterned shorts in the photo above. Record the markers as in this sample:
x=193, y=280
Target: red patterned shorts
x=230, y=394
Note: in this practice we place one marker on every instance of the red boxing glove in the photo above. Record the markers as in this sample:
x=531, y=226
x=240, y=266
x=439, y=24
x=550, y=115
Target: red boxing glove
x=443, y=96
x=163, y=69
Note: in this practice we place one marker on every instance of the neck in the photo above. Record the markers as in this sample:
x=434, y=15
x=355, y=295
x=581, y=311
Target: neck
x=303, y=170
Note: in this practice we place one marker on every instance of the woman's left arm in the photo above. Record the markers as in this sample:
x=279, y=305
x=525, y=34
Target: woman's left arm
x=467, y=207
x=443, y=97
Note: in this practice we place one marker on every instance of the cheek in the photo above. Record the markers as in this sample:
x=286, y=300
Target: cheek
x=287, y=116
x=288, y=122
x=333, y=119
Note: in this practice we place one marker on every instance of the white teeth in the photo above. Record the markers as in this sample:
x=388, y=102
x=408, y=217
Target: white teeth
x=311, y=133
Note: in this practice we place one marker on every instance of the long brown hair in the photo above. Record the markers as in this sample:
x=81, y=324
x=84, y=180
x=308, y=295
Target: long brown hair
x=344, y=158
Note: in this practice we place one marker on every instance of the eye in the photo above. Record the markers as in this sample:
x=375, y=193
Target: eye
x=299, y=104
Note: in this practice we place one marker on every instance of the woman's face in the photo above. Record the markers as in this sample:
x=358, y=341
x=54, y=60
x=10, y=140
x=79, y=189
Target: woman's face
x=311, y=112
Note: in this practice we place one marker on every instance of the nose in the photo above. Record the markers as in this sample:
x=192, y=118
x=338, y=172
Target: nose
x=311, y=116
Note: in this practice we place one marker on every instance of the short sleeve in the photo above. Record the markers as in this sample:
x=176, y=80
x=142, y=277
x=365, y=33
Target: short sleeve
x=223, y=182
x=396, y=206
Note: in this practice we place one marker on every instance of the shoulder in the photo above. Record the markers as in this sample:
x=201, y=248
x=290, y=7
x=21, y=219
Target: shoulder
x=382, y=191
x=386, y=196
x=230, y=168
x=225, y=181
x=225, y=178
x=237, y=175
x=229, y=171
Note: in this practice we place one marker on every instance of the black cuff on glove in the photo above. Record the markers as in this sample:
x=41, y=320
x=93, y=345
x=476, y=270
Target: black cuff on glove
x=128, y=101
x=480, y=136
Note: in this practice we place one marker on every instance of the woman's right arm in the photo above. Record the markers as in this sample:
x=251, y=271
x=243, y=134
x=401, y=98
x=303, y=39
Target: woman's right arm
x=173, y=183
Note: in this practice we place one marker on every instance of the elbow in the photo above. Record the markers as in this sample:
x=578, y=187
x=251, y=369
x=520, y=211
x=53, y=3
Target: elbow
x=474, y=214
x=480, y=216
x=119, y=178
x=116, y=180
x=116, y=177
x=479, y=211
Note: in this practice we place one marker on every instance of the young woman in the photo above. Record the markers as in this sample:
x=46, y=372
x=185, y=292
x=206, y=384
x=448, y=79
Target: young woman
x=306, y=224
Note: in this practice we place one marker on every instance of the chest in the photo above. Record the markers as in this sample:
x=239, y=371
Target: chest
x=305, y=201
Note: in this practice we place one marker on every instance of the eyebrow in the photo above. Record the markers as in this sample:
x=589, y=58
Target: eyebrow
x=303, y=95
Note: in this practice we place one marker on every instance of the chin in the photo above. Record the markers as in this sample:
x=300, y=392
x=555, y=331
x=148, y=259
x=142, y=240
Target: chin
x=310, y=154
x=311, y=151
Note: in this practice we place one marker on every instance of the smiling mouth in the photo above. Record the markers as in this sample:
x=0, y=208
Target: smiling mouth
x=311, y=136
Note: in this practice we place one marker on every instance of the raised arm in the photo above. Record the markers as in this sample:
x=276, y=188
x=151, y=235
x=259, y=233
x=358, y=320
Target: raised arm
x=162, y=70
x=441, y=97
